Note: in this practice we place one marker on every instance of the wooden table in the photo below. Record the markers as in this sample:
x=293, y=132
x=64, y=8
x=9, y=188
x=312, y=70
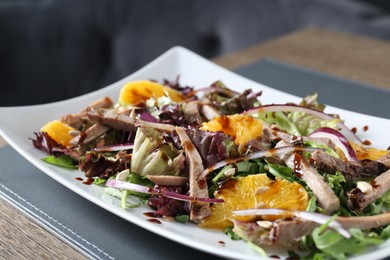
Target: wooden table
x=349, y=56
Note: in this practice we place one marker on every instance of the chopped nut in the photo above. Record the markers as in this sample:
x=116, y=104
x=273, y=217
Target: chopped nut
x=261, y=189
x=259, y=205
x=74, y=133
x=229, y=172
x=265, y=224
x=169, y=218
x=365, y=187
x=122, y=176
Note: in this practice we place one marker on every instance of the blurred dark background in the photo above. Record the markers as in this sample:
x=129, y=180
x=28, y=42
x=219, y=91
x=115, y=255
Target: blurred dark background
x=52, y=50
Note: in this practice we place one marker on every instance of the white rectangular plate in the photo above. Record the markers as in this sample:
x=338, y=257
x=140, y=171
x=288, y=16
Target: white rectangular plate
x=17, y=125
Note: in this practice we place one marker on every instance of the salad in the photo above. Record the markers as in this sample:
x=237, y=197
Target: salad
x=269, y=174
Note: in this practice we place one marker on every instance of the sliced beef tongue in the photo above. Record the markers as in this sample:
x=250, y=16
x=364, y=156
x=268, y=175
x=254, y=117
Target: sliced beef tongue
x=385, y=159
x=209, y=112
x=77, y=120
x=258, y=144
x=198, y=188
x=352, y=170
x=168, y=180
x=113, y=119
x=328, y=201
x=191, y=113
x=92, y=133
x=277, y=135
x=105, y=102
x=287, y=231
x=360, y=197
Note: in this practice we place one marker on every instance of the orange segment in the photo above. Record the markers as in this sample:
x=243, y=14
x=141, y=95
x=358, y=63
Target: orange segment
x=137, y=92
x=59, y=132
x=241, y=128
x=363, y=152
x=254, y=191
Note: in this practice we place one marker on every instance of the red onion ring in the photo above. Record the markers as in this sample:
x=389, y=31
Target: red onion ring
x=114, y=148
x=295, y=108
x=338, y=139
x=148, y=190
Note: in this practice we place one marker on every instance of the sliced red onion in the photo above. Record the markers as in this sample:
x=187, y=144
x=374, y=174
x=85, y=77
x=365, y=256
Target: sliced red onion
x=148, y=190
x=146, y=116
x=295, y=108
x=256, y=155
x=311, y=216
x=114, y=148
x=338, y=139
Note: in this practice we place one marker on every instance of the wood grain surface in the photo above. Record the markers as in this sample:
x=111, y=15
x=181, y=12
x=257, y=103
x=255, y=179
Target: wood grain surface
x=22, y=238
x=350, y=56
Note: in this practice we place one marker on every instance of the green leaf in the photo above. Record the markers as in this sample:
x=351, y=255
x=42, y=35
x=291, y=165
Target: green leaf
x=339, y=247
x=99, y=181
x=221, y=174
x=151, y=156
x=385, y=234
x=284, y=173
x=258, y=249
x=312, y=204
x=182, y=218
x=231, y=234
x=63, y=161
x=328, y=150
x=281, y=120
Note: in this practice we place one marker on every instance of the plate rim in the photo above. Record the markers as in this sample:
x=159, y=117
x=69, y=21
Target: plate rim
x=177, y=50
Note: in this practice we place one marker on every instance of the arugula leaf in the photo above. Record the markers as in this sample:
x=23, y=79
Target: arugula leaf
x=99, y=181
x=283, y=172
x=231, y=234
x=334, y=245
x=328, y=150
x=258, y=249
x=312, y=204
x=63, y=161
x=182, y=218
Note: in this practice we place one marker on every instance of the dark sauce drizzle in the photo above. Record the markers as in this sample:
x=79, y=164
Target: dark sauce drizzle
x=89, y=181
x=298, y=158
x=153, y=217
x=367, y=142
x=154, y=220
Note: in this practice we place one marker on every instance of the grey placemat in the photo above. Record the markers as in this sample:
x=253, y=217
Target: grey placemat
x=101, y=234
x=334, y=91
x=97, y=232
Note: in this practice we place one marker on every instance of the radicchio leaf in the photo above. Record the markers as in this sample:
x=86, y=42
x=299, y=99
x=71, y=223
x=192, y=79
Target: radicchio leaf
x=45, y=143
x=103, y=165
x=185, y=90
x=169, y=207
x=212, y=146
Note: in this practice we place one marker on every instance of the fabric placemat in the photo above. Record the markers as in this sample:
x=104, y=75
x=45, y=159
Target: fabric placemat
x=332, y=90
x=101, y=234
x=97, y=232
